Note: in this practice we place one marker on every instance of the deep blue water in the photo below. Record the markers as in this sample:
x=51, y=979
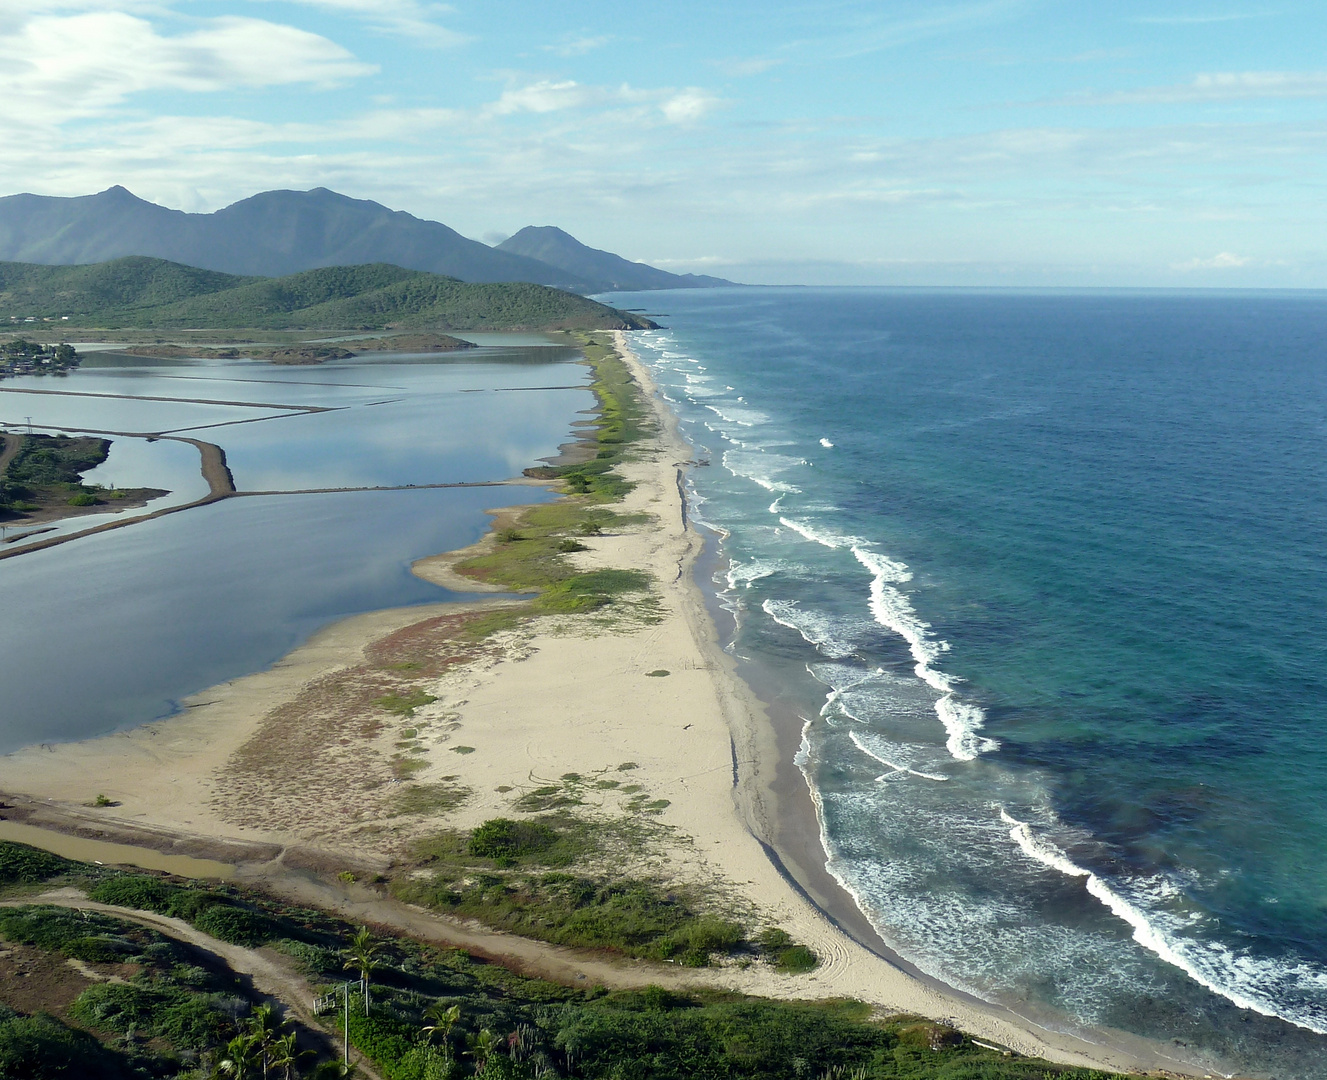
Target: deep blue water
x=1051, y=570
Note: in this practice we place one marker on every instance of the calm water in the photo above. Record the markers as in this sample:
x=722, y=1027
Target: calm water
x=112, y=630
x=1049, y=572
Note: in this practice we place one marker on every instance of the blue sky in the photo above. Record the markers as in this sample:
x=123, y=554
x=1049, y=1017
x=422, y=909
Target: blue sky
x=1008, y=142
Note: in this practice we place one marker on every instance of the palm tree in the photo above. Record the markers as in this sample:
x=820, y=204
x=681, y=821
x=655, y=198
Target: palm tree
x=362, y=956
x=242, y=1059
x=265, y=1025
x=482, y=1047
x=442, y=1019
x=285, y=1056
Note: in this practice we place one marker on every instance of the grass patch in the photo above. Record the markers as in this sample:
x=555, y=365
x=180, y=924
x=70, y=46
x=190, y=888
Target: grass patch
x=658, y=673
x=425, y=799
x=521, y=876
x=493, y=622
x=405, y=704
x=778, y=947
x=463, y=749
x=404, y=767
x=528, y=551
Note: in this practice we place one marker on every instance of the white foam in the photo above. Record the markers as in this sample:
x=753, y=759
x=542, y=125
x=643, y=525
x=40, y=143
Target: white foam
x=744, y=574
x=815, y=628
x=762, y=468
x=820, y=536
x=741, y=417
x=893, y=766
x=827, y=444
x=892, y=610
x=1239, y=977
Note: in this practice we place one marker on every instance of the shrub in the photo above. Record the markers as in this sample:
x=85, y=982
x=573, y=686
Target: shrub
x=797, y=960
x=237, y=925
x=24, y=865
x=505, y=840
x=135, y=891
x=186, y=1020
x=41, y=1048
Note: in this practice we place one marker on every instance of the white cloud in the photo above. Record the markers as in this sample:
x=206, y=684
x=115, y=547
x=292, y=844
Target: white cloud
x=545, y=96
x=688, y=106
x=1225, y=260
x=1216, y=87
x=579, y=46
x=874, y=34
x=745, y=66
x=404, y=18
x=57, y=68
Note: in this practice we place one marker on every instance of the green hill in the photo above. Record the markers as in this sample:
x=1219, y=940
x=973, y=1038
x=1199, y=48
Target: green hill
x=146, y=293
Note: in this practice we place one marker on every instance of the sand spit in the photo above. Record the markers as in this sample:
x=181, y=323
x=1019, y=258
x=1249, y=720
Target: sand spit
x=307, y=766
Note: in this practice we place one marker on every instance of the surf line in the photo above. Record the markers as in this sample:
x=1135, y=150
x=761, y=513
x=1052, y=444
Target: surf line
x=1144, y=933
x=892, y=610
x=894, y=768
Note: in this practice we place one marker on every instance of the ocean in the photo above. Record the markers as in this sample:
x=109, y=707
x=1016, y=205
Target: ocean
x=1045, y=576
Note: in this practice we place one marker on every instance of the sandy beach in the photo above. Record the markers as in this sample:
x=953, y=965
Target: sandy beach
x=302, y=767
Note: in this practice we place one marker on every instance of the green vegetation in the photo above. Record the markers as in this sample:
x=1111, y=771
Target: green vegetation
x=223, y=914
x=143, y=292
x=405, y=705
x=24, y=357
x=23, y=865
x=440, y=1013
x=49, y=468
x=41, y=1048
x=167, y=1011
x=427, y=799
x=623, y=420
x=522, y=876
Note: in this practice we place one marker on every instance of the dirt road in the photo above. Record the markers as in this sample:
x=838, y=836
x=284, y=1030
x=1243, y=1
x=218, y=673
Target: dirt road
x=269, y=975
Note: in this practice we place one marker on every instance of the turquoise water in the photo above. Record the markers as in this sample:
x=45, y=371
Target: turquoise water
x=1046, y=574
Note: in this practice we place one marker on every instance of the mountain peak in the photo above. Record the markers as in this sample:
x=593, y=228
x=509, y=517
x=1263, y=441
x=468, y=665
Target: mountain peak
x=559, y=248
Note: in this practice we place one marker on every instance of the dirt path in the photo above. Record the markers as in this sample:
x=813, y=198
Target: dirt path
x=12, y=445
x=269, y=976
x=536, y=959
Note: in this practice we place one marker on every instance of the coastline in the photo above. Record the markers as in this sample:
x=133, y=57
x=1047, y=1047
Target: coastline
x=545, y=702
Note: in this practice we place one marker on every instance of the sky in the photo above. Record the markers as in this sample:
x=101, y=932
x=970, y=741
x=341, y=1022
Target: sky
x=836, y=142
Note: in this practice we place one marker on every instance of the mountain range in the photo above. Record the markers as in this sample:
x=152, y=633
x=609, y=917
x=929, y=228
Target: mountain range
x=141, y=292
x=277, y=233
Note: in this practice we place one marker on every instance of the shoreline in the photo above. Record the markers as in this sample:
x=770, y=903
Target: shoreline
x=780, y=814
x=541, y=703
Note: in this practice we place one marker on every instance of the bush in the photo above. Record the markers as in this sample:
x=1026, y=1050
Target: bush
x=797, y=960
x=83, y=498
x=57, y=929
x=135, y=891
x=186, y=1020
x=504, y=840
x=237, y=925
x=24, y=865
x=41, y=1048
x=97, y=950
